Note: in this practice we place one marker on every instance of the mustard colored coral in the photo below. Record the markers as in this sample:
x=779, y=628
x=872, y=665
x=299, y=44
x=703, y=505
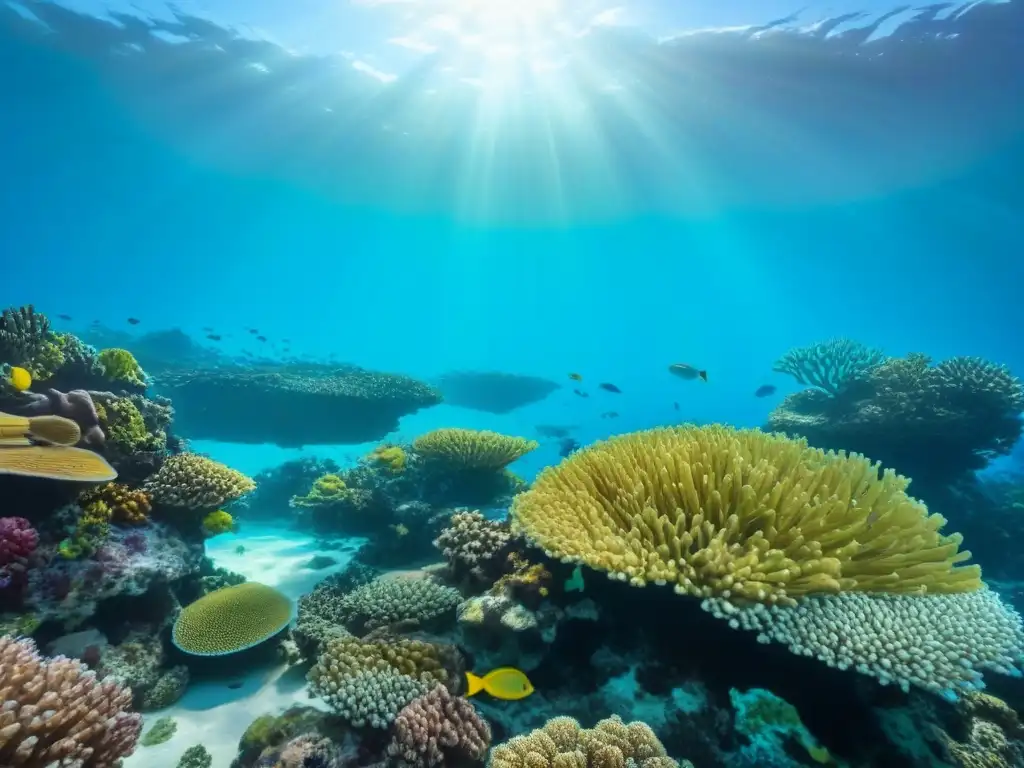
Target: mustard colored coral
x=195, y=482
x=472, y=448
x=120, y=365
x=91, y=530
x=740, y=514
x=392, y=457
x=129, y=506
x=218, y=522
x=327, y=489
x=231, y=619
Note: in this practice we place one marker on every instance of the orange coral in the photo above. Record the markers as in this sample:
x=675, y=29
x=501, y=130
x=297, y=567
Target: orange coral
x=130, y=506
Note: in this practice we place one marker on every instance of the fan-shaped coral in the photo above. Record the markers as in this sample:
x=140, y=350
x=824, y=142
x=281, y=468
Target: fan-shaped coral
x=56, y=713
x=562, y=742
x=231, y=619
x=472, y=448
x=196, y=482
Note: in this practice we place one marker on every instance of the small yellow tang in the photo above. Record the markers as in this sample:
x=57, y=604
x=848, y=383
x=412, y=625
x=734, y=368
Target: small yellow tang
x=506, y=683
x=20, y=378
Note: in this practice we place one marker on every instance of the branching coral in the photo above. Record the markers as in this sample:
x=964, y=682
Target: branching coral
x=127, y=505
x=23, y=334
x=780, y=538
x=231, y=620
x=56, y=713
x=195, y=482
x=470, y=540
x=562, y=742
x=18, y=540
x=472, y=448
x=391, y=600
x=91, y=531
x=439, y=729
x=124, y=424
x=831, y=366
x=121, y=367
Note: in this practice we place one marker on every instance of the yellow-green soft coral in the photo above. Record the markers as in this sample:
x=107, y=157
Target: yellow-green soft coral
x=125, y=427
x=393, y=457
x=91, y=531
x=120, y=365
x=327, y=489
x=218, y=522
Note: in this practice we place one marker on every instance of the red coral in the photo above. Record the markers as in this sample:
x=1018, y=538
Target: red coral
x=437, y=728
x=18, y=540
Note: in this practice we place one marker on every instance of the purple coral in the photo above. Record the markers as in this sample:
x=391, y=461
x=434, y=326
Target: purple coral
x=76, y=405
x=18, y=540
x=436, y=728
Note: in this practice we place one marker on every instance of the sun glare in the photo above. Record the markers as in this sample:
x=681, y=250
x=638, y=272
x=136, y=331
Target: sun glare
x=501, y=17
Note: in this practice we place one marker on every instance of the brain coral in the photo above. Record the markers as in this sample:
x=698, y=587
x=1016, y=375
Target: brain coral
x=472, y=448
x=562, y=742
x=196, y=482
x=780, y=538
x=231, y=619
x=56, y=713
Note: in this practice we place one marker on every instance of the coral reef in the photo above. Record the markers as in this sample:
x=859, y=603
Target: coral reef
x=140, y=664
x=275, y=487
x=299, y=404
x=18, y=540
x=77, y=405
x=394, y=599
x=492, y=391
x=473, y=544
x=218, y=522
x=231, y=619
x=191, y=481
x=367, y=697
x=322, y=613
x=196, y=756
x=120, y=366
x=562, y=741
x=127, y=505
x=471, y=449
x=23, y=336
x=806, y=548
x=86, y=720
x=439, y=729
x=830, y=366
x=994, y=738
x=931, y=422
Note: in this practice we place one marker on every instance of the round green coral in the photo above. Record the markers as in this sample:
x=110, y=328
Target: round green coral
x=231, y=620
x=120, y=365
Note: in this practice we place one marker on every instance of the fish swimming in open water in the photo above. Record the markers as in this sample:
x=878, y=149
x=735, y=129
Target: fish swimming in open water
x=506, y=683
x=608, y=387
x=765, y=390
x=575, y=377
x=687, y=372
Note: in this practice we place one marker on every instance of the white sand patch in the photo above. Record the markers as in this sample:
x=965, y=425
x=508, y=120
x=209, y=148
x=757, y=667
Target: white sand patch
x=212, y=714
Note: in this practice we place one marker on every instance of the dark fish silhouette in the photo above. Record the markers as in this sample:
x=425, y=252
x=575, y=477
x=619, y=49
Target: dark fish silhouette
x=208, y=330
x=567, y=446
x=235, y=685
x=676, y=406
x=253, y=330
x=764, y=390
x=575, y=377
x=687, y=372
x=261, y=338
x=133, y=321
x=581, y=394
x=213, y=337
x=610, y=415
x=554, y=430
x=610, y=388
x=64, y=317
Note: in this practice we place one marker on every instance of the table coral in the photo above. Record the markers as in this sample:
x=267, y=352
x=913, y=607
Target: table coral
x=473, y=449
x=231, y=619
x=805, y=547
x=563, y=742
x=195, y=482
x=439, y=729
x=87, y=720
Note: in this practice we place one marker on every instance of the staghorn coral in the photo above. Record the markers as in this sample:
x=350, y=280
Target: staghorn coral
x=392, y=600
x=218, y=522
x=195, y=482
x=831, y=366
x=808, y=548
x=127, y=505
x=18, y=540
x=438, y=729
x=231, y=619
x=562, y=742
x=472, y=449
x=472, y=541
x=741, y=514
x=85, y=720
x=23, y=334
x=121, y=367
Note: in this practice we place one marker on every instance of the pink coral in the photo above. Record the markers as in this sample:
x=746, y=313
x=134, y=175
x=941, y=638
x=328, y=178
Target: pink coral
x=438, y=727
x=55, y=712
x=18, y=540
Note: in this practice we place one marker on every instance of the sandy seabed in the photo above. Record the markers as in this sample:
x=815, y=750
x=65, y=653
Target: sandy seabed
x=212, y=714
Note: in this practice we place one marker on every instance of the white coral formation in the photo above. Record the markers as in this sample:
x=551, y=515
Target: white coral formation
x=391, y=600
x=936, y=642
x=53, y=712
x=371, y=697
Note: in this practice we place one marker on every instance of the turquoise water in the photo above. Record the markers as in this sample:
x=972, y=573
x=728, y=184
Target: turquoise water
x=427, y=187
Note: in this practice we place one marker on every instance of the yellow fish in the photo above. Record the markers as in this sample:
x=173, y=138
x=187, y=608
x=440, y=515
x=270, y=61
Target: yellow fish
x=20, y=378
x=506, y=683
